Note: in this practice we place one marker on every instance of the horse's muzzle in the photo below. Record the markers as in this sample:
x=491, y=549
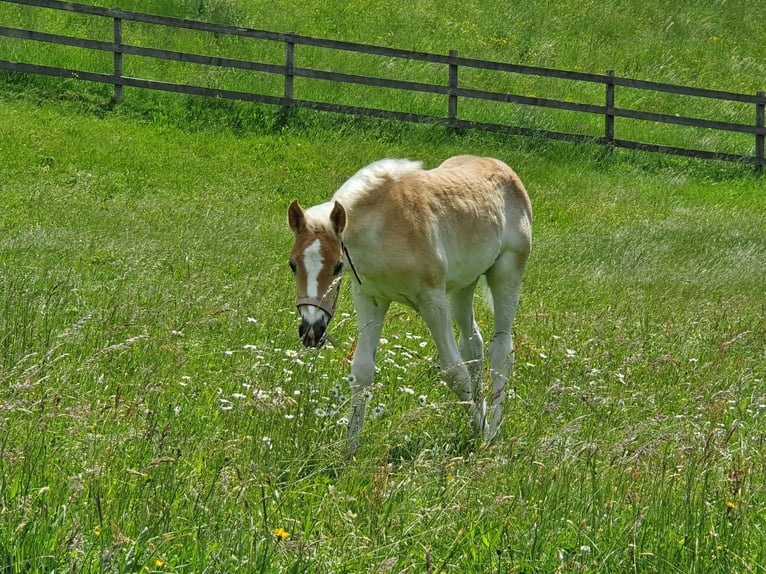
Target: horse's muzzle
x=313, y=334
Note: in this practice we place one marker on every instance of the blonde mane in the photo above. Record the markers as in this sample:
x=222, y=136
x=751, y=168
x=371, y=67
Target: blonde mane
x=371, y=176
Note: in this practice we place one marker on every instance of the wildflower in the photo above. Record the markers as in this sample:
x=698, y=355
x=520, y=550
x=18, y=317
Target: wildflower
x=251, y=320
x=571, y=353
x=379, y=410
x=159, y=563
x=407, y=390
x=320, y=412
x=281, y=534
x=97, y=531
x=226, y=405
x=731, y=505
x=342, y=421
x=422, y=400
x=423, y=344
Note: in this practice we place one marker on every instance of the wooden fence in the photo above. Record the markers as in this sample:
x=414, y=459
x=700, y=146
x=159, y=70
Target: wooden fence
x=452, y=90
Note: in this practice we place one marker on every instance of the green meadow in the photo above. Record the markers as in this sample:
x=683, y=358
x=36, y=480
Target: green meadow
x=158, y=414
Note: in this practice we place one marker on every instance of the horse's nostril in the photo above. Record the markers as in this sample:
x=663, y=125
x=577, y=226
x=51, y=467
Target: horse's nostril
x=312, y=334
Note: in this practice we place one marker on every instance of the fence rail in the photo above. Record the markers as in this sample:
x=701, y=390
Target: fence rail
x=452, y=90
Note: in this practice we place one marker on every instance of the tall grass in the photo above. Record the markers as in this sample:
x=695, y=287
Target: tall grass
x=158, y=415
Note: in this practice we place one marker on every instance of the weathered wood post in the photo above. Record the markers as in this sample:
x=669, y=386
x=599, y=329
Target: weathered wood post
x=453, y=83
x=289, y=69
x=760, y=125
x=609, y=113
x=289, y=95
x=117, y=60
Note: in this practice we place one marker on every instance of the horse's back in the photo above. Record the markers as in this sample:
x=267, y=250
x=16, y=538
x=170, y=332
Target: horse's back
x=446, y=225
x=491, y=170
x=490, y=187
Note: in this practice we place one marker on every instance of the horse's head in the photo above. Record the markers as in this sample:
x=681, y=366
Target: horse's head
x=316, y=261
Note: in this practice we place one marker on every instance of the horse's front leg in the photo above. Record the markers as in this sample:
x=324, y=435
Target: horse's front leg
x=370, y=314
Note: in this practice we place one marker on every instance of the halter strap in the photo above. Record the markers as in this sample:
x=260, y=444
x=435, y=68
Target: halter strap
x=320, y=301
x=350, y=262
x=316, y=302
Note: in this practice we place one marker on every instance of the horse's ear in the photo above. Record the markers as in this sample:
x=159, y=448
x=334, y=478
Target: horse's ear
x=338, y=218
x=295, y=217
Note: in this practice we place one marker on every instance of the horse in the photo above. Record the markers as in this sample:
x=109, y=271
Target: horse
x=422, y=238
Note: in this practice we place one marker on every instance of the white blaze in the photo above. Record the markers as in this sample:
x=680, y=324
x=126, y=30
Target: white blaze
x=312, y=261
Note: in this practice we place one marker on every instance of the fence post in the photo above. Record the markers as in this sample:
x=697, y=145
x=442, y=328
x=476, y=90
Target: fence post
x=760, y=122
x=289, y=69
x=609, y=114
x=117, y=60
x=453, y=83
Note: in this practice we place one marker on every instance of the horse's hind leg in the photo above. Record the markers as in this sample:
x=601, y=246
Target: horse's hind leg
x=504, y=281
x=435, y=309
x=470, y=343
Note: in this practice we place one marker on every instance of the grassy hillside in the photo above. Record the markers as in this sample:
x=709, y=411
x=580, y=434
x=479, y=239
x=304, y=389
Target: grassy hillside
x=704, y=45
x=158, y=415
x=718, y=44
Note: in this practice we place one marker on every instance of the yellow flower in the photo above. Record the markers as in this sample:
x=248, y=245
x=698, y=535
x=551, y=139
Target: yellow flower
x=281, y=534
x=730, y=505
x=159, y=563
x=97, y=531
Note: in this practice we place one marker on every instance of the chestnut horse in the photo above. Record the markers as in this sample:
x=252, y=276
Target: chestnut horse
x=422, y=238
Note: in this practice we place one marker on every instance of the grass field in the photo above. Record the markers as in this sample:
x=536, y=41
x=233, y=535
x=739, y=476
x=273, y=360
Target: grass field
x=157, y=413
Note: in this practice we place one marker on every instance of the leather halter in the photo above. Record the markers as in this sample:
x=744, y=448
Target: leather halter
x=350, y=262
x=321, y=301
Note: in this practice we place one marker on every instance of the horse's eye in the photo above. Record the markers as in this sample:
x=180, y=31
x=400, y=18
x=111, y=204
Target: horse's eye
x=338, y=268
x=293, y=268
